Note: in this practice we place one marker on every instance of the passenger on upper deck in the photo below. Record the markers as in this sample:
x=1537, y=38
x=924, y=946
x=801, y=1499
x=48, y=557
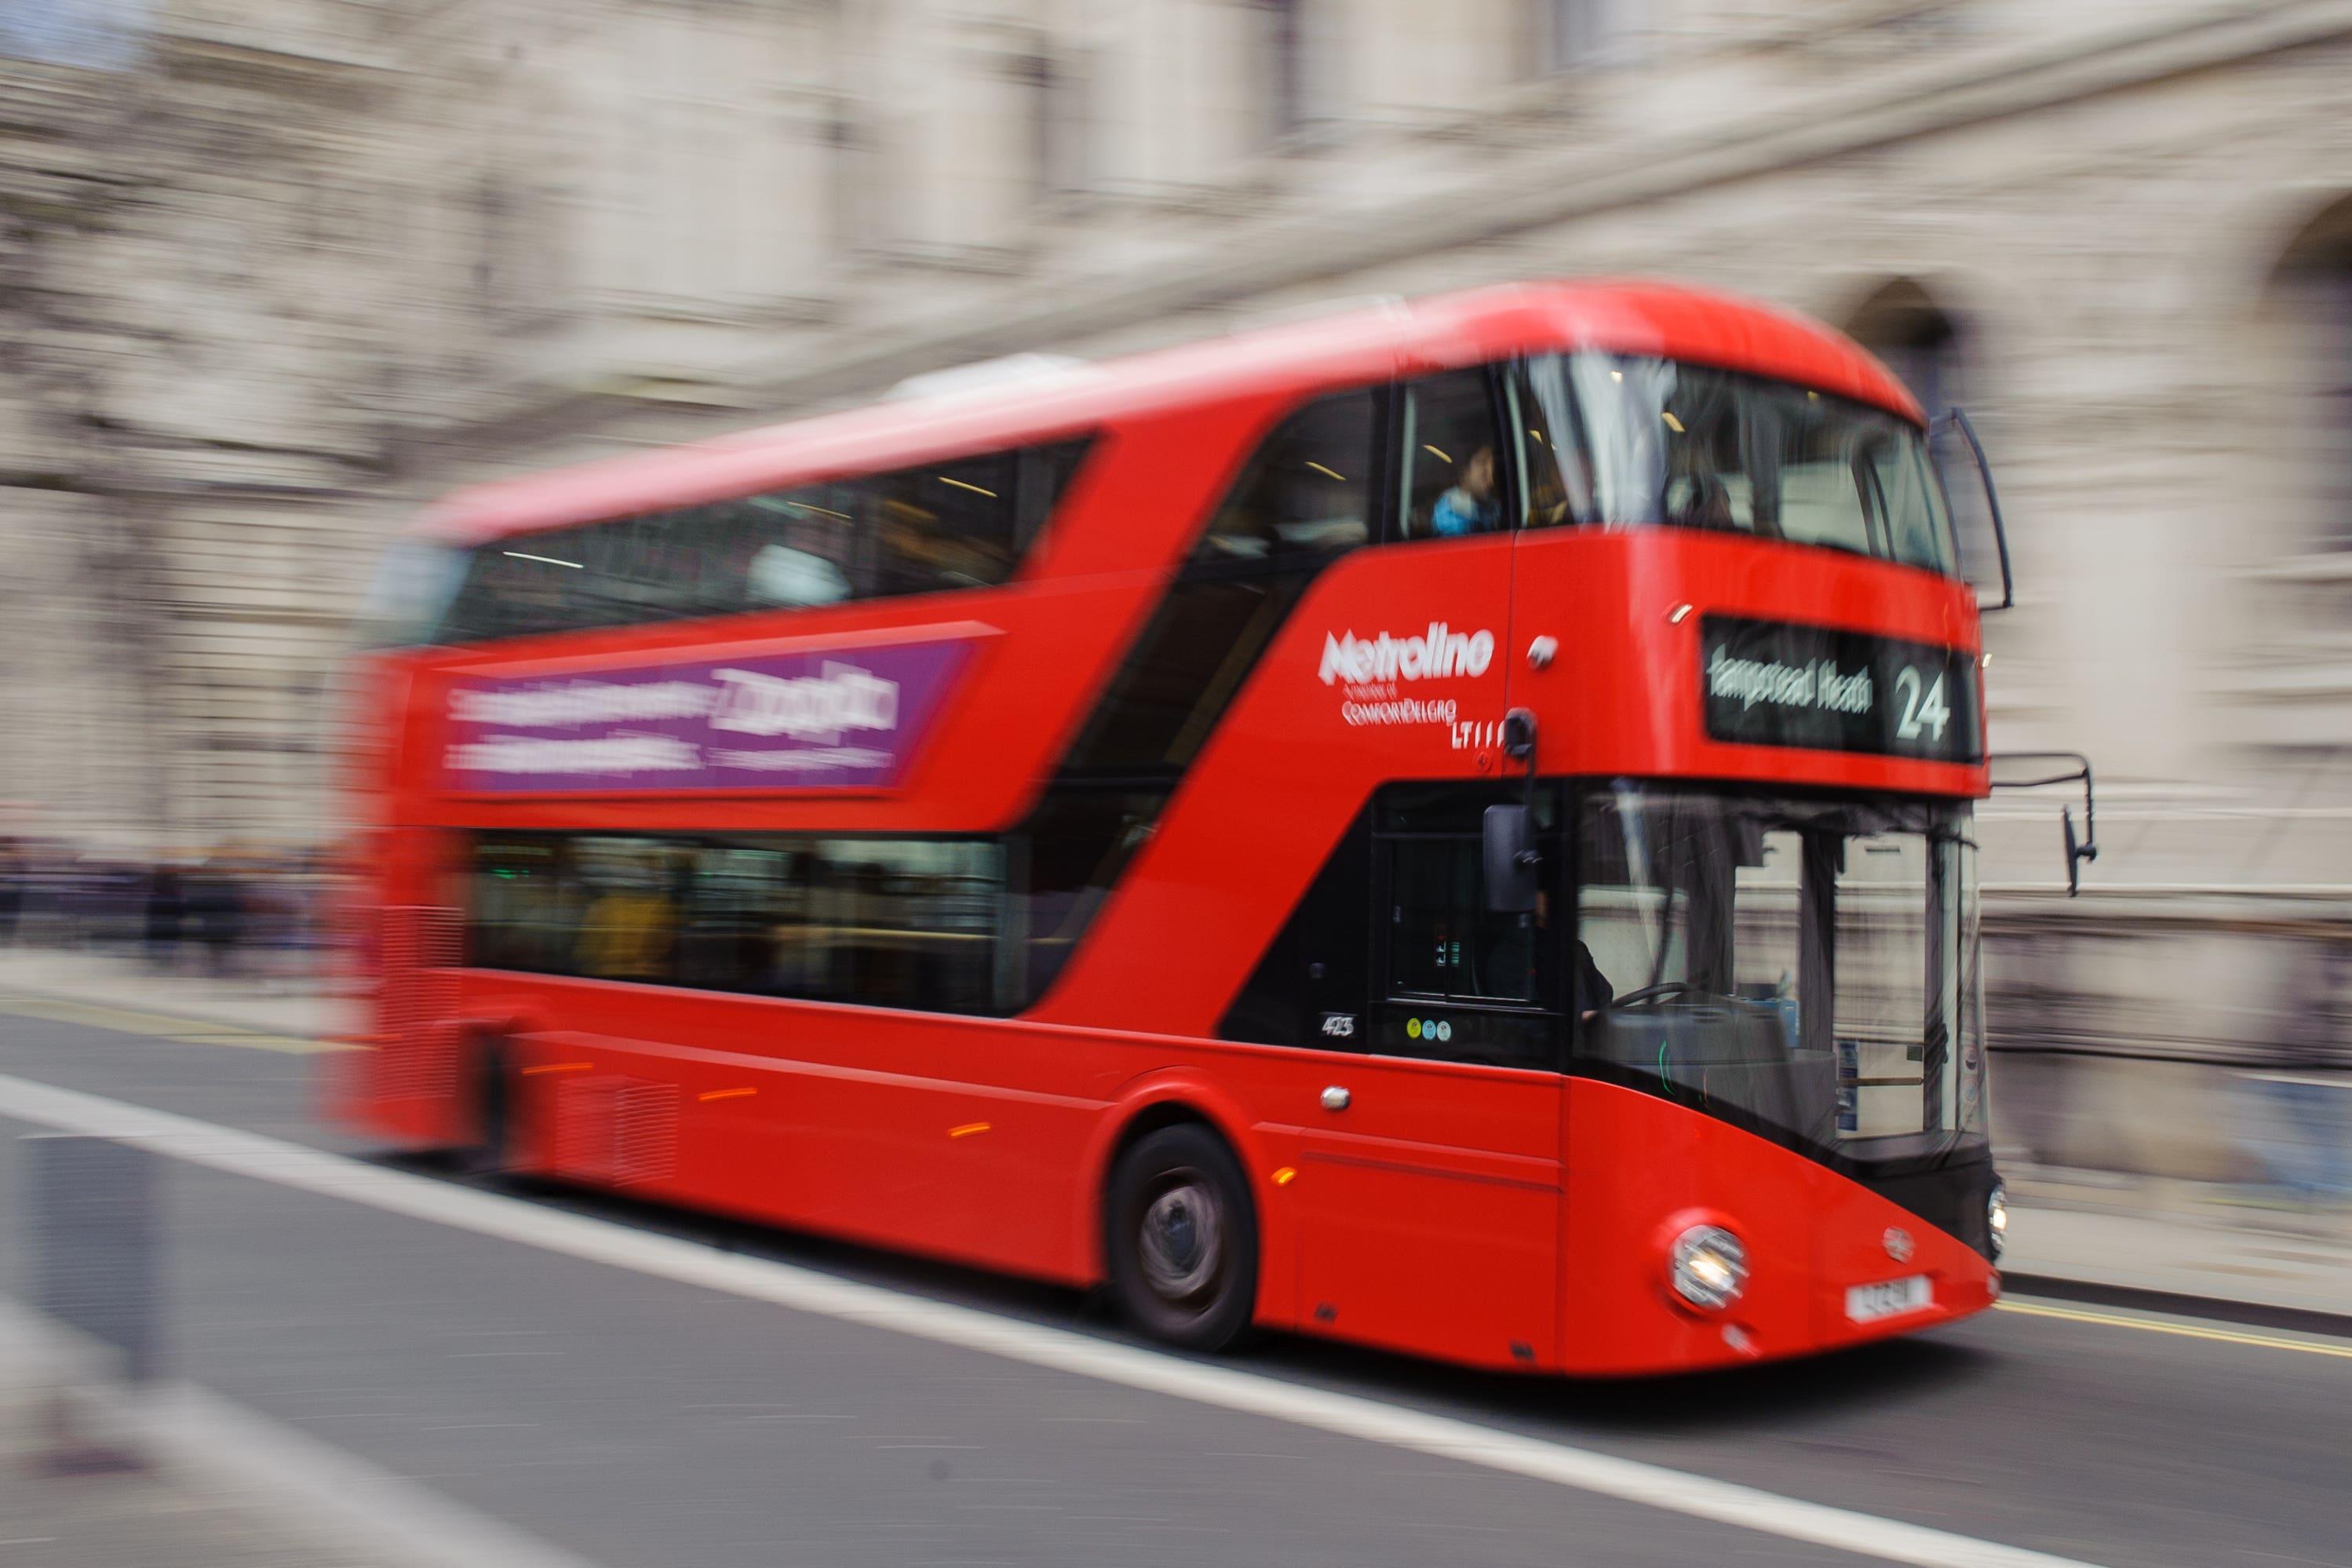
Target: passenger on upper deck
x=1471, y=506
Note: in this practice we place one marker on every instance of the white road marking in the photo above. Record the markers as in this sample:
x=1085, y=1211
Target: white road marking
x=314, y=1170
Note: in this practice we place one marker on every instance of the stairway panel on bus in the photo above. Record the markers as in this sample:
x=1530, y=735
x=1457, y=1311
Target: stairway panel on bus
x=1348, y=695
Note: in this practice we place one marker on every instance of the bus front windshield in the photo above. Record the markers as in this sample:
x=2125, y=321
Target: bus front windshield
x=1640, y=441
x=1805, y=968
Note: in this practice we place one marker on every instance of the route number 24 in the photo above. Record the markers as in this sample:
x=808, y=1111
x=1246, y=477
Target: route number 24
x=1920, y=711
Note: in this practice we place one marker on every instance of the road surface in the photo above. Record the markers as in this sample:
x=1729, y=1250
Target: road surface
x=603, y=1398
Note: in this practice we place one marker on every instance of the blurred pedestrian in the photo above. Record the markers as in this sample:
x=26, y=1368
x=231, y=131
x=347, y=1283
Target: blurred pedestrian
x=12, y=887
x=119, y=905
x=167, y=912
x=217, y=912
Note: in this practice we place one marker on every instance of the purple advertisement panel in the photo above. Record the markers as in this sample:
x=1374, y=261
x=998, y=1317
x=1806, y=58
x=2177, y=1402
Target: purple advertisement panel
x=837, y=719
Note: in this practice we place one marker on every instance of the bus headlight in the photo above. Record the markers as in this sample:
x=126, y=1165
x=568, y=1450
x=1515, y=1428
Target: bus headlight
x=1997, y=1218
x=1708, y=1266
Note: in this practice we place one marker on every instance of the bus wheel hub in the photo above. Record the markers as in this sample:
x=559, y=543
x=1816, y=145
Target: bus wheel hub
x=1181, y=1243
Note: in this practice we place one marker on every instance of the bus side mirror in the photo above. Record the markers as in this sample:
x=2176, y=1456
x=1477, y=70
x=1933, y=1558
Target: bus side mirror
x=1511, y=860
x=2077, y=849
x=1975, y=504
x=2076, y=852
x=1519, y=736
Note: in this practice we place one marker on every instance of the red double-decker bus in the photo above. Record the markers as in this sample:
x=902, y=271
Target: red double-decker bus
x=1445, y=827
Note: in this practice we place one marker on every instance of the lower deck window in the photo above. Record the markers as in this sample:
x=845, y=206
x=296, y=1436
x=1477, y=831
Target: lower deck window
x=1804, y=965
x=900, y=923
x=972, y=923
x=1460, y=981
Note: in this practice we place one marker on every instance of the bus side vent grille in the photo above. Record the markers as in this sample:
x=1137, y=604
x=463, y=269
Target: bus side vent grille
x=583, y=1128
x=616, y=1132
x=645, y=1134
x=416, y=1053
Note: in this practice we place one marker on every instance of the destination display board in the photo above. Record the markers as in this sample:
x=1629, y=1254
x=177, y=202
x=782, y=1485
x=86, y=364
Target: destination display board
x=843, y=719
x=1769, y=683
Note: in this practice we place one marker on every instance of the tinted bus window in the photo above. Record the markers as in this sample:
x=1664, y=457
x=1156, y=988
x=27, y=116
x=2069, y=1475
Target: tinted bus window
x=1449, y=465
x=1463, y=982
x=408, y=597
x=892, y=923
x=1627, y=441
x=1307, y=490
x=1311, y=985
x=1177, y=680
x=958, y=524
x=1442, y=977
x=1072, y=852
x=1442, y=940
x=1555, y=477
x=971, y=924
x=1303, y=497
x=1807, y=968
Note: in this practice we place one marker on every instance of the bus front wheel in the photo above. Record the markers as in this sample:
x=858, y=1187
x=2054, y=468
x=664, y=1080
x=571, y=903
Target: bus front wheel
x=1183, y=1251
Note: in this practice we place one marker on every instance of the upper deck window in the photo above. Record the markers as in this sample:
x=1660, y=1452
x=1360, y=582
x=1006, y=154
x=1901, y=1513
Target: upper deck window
x=1449, y=460
x=962, y=524
x=1626, y=441
x=1307, y=491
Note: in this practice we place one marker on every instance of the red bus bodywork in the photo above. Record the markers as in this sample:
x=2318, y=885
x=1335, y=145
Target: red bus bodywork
x=1495, y=1217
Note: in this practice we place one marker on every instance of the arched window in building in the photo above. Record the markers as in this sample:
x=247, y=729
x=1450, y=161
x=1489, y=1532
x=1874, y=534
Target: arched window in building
x=1301, y=71
x=1283, y=61
x=1928, y=349
x=2311, y=294
x=1919, y=342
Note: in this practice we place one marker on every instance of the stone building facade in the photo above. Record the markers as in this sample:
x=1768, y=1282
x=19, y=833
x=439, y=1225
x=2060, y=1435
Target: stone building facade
x=272, y=274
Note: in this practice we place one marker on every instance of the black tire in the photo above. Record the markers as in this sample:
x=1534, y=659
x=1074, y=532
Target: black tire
x=1180, y=1239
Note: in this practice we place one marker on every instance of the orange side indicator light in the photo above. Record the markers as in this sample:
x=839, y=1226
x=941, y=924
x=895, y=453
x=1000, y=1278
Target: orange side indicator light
x=1285, y=1176
x=728, y=1094
x=559, y=1067
x=968, y=1129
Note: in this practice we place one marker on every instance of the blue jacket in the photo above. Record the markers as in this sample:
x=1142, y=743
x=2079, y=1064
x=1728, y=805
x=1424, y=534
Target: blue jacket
x=1458, y=512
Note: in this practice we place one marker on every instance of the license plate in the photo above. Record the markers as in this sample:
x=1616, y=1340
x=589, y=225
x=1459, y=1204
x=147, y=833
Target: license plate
x=1868, y=1303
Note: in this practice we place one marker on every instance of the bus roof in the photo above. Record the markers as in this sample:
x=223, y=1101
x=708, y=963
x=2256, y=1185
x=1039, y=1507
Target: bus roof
x=1297, y=358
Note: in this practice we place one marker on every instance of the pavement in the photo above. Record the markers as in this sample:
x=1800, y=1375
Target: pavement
x=2181, y=1239
x=96, y=1472
x=616, y=1383
x=272, y=1004
x=84, y=1484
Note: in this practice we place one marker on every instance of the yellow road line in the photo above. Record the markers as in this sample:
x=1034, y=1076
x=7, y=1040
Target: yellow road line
x=2186, y=1330
x=162, y=1026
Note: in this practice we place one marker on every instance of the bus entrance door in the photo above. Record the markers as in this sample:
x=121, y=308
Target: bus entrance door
x=1429, y=1186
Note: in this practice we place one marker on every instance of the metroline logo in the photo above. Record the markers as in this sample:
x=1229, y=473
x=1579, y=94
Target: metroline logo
x=1437, y=654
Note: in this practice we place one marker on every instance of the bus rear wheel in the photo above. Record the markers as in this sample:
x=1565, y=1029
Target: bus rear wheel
x=492, y=1152
x=1182, y=1243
